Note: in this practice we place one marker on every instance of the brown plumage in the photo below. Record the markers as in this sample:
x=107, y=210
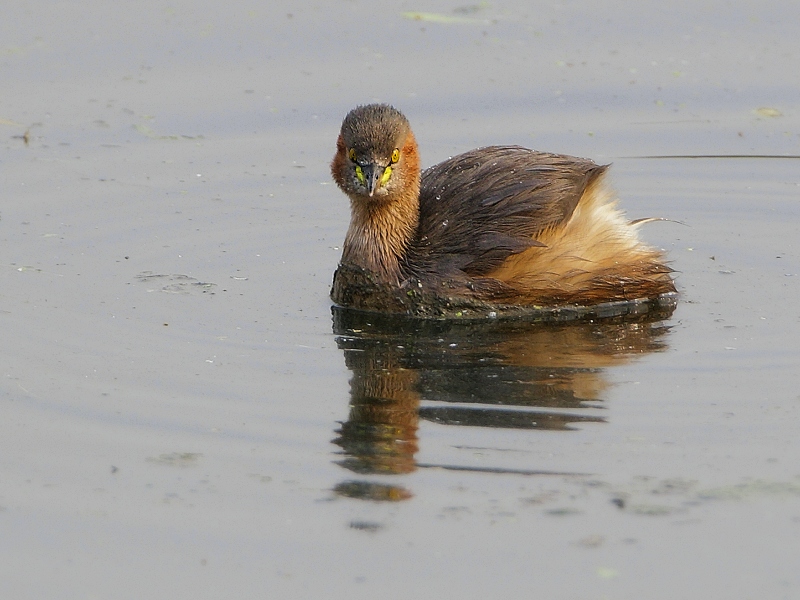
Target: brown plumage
x=494, y=228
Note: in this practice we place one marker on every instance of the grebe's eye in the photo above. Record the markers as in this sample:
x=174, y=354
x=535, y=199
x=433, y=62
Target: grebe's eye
x=352, y=154
x=395, y=155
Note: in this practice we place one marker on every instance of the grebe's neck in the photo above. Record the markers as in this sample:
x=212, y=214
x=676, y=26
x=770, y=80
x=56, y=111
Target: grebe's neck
x=381, y=230
x=382, y=225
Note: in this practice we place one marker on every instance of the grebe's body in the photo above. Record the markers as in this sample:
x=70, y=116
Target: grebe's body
x=501, y=227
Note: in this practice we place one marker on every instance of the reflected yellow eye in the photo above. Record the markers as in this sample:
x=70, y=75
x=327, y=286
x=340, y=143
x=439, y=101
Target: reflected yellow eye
x=360, y=174
x=352, y=154
x=387, y=173
x=395, y=155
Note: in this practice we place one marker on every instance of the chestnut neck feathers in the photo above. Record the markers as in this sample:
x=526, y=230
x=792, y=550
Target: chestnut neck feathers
x=377, y=166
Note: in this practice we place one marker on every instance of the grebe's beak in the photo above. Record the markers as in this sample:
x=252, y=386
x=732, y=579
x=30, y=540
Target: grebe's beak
x=372, y=177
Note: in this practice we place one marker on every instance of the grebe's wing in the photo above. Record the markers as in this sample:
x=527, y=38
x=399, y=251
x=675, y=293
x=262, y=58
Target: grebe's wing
x=479, y=208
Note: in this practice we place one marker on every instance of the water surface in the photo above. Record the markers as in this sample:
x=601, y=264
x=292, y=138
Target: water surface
x=183, y=415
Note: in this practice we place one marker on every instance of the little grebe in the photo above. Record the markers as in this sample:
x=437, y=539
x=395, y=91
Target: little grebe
x=494, y=228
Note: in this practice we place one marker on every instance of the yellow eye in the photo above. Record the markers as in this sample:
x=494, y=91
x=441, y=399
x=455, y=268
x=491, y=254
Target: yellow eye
x=352, y=154
x=395, y=155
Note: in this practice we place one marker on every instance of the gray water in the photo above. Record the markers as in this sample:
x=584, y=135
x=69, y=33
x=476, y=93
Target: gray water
x=182, y=417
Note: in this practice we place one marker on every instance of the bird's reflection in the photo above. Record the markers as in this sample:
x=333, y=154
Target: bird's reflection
x=517, y=373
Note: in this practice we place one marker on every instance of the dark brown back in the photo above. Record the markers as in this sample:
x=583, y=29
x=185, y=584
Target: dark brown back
x=479, y=208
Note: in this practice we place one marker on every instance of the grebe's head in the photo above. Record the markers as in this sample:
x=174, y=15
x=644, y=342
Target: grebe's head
x=376, y=155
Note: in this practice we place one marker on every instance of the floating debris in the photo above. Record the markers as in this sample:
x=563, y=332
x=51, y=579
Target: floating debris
x=441, y=18
x=767, y=111
x=152, y=134
x=176, y=459
x=176, y=283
